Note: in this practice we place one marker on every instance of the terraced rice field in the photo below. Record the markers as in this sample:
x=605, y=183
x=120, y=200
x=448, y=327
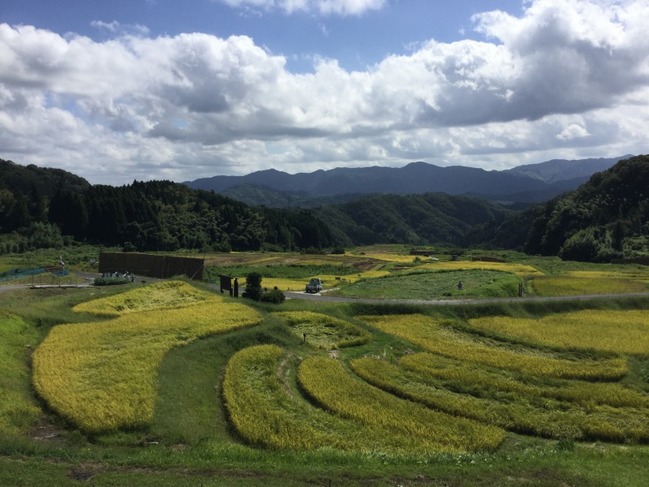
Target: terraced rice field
x=520, y=388
x=439, y=337
x=101, y=375
x=454, y=387
x=590, y=282
x=354, y=416
x=324, y=331
x=624, y=332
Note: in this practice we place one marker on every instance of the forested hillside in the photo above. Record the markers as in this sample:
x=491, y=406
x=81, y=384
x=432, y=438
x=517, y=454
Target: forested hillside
x=25, y=193
x=605, y=218
x=414, y=219
x=47, y=207
x=162, y=215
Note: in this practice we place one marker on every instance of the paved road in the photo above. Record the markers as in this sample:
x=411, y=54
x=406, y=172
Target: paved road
x=459, y=302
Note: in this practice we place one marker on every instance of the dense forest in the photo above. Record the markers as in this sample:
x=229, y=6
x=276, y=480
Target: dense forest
x=413, y=219
x=604, y=218
x=47, y=208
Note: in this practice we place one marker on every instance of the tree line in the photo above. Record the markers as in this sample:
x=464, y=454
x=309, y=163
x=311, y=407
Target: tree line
x=606, y=217
x=155, y=215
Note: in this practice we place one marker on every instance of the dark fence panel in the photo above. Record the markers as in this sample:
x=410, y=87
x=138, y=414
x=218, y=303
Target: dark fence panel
x=485, y=258
x=160, y=266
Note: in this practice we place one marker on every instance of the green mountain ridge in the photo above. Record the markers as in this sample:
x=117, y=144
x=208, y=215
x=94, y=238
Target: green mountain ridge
x=529, y=184
x=605, y=217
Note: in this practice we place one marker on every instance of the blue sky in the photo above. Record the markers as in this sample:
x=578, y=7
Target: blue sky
x=162, y=89
x=356, y=41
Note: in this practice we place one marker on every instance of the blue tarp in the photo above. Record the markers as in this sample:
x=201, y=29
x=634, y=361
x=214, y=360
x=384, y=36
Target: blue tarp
x=20, y=273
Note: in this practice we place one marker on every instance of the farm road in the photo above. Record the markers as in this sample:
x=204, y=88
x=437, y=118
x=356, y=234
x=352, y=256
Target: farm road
x=459, y=302
x=426, y=302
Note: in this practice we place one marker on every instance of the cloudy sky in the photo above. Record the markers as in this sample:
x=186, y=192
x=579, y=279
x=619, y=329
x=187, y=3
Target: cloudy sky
x=167, y=89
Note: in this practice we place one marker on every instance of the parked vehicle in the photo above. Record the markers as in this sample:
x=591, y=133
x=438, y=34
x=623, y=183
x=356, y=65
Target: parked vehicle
x=314, y=286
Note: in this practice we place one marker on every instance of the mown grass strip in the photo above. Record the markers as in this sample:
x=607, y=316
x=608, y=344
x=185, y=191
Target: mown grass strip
x=17, y=409
x=101, y=376
x=330, y=385
x=433, y=336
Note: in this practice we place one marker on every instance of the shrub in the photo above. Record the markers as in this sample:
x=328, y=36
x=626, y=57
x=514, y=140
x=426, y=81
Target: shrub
x=592, y=244
x=273, y=296
x=129, y=247
x=110, y=281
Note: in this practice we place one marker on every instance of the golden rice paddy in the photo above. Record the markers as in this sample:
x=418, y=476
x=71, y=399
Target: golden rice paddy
x=101, y=375
x=625, y=332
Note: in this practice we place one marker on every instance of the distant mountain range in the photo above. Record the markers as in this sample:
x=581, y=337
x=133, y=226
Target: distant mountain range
x=606, y=217
x=523, y=184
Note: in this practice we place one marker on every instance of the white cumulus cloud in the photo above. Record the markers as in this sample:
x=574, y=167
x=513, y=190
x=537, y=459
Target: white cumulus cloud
x=564, y=79
x=573, y=131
